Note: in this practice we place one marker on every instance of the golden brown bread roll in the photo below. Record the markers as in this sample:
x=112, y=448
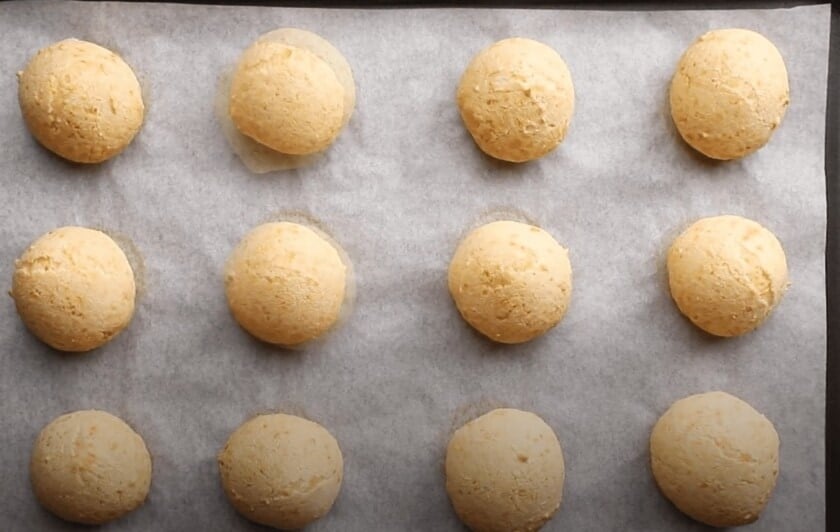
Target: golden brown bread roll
x=730, y=93
x=80, y=101
x=516, y=99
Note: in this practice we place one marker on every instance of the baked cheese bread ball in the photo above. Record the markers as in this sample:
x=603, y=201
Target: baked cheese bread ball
x=729, y=93
x=327, y=52
x=285, y=283
x=80, y=101
x=90, y=467
x=511, y=281
x=281, y=471
x=504, y=472
x=716, y=458
x=727, y=274
x=516, y=99
x=74, y=289
x=292, y=91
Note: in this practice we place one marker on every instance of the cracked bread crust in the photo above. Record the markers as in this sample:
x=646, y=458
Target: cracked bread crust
x=726, y=274
x=729, y=93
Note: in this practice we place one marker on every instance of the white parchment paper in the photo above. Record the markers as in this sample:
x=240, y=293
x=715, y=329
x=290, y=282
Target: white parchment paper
x=399, y=188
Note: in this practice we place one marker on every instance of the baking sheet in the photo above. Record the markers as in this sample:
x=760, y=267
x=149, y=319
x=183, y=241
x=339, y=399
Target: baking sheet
x=399, y=188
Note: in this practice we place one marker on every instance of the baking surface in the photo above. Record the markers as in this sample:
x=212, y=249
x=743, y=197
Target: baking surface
x=398, y=190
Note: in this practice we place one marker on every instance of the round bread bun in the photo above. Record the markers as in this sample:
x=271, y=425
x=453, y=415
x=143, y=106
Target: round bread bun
x=80, y=101
x=292, y=91
x=511, y=281
x=74, y=289
x=327, y=52
x=516, y=99
x=727, y=274
x=281, y=471
x=505, y=471
x=730, y=93
x=90, y=467
x=716, y=458
x=285, y=284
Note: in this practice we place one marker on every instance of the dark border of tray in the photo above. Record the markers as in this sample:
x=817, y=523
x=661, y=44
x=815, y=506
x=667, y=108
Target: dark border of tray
x=832, y=171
